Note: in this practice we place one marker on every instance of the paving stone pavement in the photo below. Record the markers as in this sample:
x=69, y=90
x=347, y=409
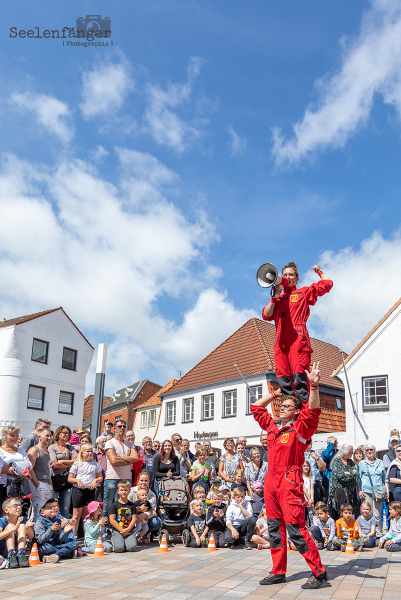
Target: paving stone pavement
x=229, y=574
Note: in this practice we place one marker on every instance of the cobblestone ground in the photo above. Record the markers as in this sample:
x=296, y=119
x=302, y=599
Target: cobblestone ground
x=202, y=575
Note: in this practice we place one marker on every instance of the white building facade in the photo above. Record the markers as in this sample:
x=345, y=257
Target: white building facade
x=373, y=404
x=44, y=360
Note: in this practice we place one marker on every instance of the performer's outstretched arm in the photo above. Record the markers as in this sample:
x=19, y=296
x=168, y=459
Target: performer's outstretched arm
x=314, y=378
x=266, y=400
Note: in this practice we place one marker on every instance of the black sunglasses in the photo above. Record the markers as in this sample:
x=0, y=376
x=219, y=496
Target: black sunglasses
x=121, y=426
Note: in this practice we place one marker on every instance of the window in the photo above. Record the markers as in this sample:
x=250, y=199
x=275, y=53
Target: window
x=69, y=359
x=188, y=410
x=170, y=413
x=257, y=390
x=40, y=351
x=66, y=403
x=208, y=406
x=230, y=403
x=152, y=418
x=144, y=418
x=375, y=394
x=36, y=397
x=339, y=405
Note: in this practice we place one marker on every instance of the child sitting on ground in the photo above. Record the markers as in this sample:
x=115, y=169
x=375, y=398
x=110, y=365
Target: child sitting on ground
x=216, y=519
x=216, y=483
x=94, y=527
x=240, y=520
x=258, y=501
x=324, y=528
x=200, y=494
x=368, y=524
x=123, y=519
x=261, y=535
x=15, y=529
x=144, y=511
x=238, y=476
x=392, y=540
x=347, y=528
x=53, y=534
x=197, y=525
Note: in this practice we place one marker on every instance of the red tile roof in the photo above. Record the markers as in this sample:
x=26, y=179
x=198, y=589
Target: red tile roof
x=251, y=347
x=26, y=318
x=155, y=399
x=365, y=339
x=88, y=404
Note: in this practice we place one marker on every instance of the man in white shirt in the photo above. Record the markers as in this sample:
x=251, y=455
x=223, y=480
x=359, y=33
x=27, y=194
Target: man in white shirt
x=239, y=519
x=120, y=455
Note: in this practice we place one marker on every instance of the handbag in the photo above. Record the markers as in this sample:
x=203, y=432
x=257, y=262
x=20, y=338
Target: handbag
x=378, y=493
x=60, y=480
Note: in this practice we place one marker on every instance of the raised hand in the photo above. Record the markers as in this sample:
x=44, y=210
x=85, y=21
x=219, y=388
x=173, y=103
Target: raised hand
x=314, y=374
x=30, y=522
x=315, y=268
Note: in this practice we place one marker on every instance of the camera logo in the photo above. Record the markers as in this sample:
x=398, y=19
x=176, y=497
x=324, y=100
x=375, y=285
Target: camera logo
x=92, y=25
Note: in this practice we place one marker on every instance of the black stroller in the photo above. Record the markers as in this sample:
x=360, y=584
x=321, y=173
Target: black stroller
x=173, y=507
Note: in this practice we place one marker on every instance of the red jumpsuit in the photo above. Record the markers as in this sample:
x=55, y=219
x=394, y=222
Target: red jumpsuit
x=292, y=348
x=284, y=497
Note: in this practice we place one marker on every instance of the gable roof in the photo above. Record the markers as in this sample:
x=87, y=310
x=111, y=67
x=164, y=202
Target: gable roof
x=26, y=318
x=251, y=347
x=155, y=399
x=365, y=339
x=88, y=405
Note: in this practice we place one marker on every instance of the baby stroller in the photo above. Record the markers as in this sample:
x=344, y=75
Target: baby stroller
x=173, y=507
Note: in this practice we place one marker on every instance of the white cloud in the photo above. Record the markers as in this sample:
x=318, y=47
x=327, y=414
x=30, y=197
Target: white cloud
x=164, y=125
x=108, y=253
x=105, y=87
x=52, y=114
x=237, y=144
x=371, y=64
x=99, y=153
x=366, y=285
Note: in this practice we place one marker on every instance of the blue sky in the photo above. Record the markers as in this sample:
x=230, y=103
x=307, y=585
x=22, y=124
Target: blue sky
x=143, y=184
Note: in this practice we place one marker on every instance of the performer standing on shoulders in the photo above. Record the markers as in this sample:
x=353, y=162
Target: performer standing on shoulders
x=290, y=312
x=287, y=441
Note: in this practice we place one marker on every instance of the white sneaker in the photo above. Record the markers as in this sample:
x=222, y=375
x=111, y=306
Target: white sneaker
x=51, y=558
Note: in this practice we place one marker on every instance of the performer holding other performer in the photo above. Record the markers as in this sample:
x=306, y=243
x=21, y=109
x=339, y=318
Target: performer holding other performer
x=287, y=441
x=290, y=311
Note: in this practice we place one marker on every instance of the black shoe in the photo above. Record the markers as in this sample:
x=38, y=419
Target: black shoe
x=319, y=546
x=314, y=582
x=13, y=561
x=23, y=560
x=249, y=545
x=272, y=579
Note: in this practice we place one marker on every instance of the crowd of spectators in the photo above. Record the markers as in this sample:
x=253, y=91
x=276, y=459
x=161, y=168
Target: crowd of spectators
x=60, y=489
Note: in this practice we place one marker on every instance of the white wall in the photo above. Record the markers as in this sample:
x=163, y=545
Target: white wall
x=242, y=424
x=141, y=432
x=380, y=355
x=17, y=371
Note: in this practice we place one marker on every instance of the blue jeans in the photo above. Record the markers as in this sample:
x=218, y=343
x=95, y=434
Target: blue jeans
x=154, y=523
x=317, y=534
x=372, y=542
x=67, y=545
x=64, y=501
x=110, y=492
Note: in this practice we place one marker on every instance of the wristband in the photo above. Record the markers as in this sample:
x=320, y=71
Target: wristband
x=274, y=300
x=320, y=273
x=314, y=387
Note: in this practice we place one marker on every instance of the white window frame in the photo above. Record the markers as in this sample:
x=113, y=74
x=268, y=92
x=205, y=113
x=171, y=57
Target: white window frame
x=144, y=419
x=258, y=391
x=187, y=410
x=171, y=412
x=208, y=398
x=152, y=418
x=229, y=400
x=378, y=405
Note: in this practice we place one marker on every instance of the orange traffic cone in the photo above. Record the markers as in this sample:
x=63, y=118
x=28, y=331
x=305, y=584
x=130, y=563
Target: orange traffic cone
x=211, y=547
x=349, y=549
x=34, y=556
x=288, y=545
x=99, y=551
x=163, y=544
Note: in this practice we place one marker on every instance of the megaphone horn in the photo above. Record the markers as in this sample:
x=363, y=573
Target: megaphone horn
x=268, y=275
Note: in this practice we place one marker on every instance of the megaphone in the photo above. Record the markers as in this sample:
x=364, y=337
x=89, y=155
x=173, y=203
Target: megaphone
x=267, y=276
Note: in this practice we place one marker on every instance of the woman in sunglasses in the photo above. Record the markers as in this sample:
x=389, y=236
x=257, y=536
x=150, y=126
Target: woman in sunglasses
x=120, y=454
